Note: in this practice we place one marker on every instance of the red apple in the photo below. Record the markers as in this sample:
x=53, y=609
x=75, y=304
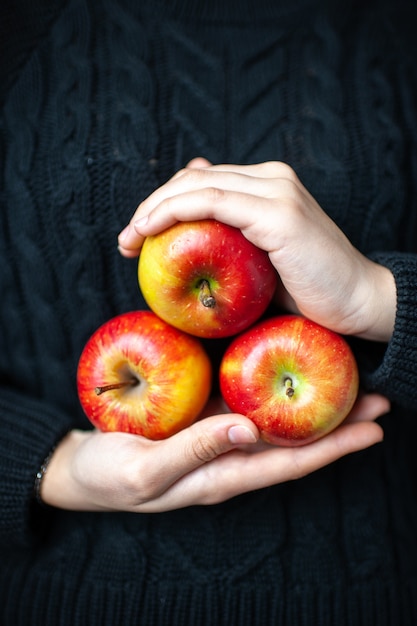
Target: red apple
x=140, y=375
x=295, y=379
x=206, y=278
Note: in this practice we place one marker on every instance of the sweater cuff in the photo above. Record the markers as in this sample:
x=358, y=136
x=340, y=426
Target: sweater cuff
x=29, y=431
x=396, y=375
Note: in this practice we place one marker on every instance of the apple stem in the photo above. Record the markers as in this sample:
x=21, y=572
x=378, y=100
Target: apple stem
x=126, y=383
x=289, y=389
x=206, y=297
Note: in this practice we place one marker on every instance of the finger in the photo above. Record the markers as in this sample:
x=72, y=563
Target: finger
x=204, y=203
x=130, y=252
x=240, y=471
x=276, y=465
x=344, y=440
x=221, y=177
x=369, y=407
x=232, y=207
x=214, y=180
x=129, y=243
x=295, y=463
x=199, y=444
x=268, y=169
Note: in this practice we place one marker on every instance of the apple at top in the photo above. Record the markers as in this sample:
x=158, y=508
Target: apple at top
x=140, y=375
x=206, y=278
x=295, y=379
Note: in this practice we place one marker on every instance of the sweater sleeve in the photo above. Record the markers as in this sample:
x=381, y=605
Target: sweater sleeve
x=395, y=375
x=28, y=431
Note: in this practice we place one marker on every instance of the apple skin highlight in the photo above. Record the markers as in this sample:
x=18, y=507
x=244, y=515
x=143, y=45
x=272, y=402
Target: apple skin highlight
x=166, y=375
x=295, y=379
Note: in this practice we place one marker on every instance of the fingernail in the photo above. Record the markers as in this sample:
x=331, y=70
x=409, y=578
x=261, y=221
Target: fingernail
x=241, y=434
x=123, y=234
x=140, y=223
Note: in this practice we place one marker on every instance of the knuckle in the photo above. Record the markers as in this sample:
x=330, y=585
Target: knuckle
x=203, y=449
x=138, y=484
x=279, y=169
x=189, y=176
x=195, y=175
x=179, y=173
x=215, y=195
x=287, y=172
x=169, y=204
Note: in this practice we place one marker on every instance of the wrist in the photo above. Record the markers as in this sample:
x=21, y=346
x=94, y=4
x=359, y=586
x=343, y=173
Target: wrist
x=40, y=475
x=380, y=304
x=56, y=486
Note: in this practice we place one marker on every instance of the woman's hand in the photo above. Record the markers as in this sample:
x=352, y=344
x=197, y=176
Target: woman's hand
x=213, y=460
x=323, y=276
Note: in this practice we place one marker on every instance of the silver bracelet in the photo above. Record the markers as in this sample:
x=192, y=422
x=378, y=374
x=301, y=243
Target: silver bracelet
x=39, y=476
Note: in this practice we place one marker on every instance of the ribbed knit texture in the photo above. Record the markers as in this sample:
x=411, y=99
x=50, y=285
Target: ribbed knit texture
x=103, y=101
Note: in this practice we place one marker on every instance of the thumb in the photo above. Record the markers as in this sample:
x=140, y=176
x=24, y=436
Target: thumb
x=204, y=441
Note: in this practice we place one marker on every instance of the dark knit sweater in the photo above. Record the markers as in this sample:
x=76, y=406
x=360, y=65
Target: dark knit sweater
x=101, y=102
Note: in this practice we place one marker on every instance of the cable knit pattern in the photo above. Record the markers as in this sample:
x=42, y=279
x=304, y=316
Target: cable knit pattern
x=101, y=105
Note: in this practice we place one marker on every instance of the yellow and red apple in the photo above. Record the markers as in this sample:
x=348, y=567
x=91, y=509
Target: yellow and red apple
x=140, y=375
x=295, y=379
x=206, y=278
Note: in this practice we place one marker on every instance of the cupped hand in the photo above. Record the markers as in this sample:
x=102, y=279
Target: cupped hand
x=323, y=275
x=216, y=458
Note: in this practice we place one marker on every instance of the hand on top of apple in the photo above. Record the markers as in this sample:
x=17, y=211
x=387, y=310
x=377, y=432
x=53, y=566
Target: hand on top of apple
x=323, y=275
